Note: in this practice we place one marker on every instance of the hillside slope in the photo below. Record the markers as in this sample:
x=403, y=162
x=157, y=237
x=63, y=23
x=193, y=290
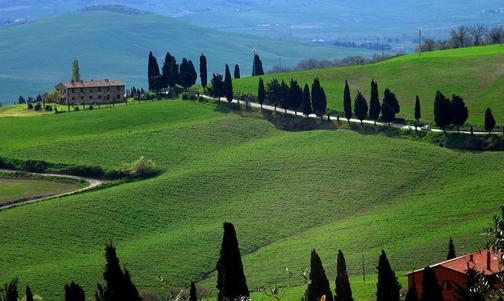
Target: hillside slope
x=286, y=192
x=36, y=56
x=476, y=74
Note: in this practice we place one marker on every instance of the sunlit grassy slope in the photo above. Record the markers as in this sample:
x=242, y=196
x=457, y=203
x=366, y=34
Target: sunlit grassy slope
x=476, y=74
x=286, y=192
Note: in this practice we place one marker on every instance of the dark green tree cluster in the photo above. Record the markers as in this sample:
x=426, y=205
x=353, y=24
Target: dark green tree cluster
x=173, y=74
x=257, y=66
x=118, y=284
x=390, y=106
x=218, y=88
x=153, y=74
x=187, y=74
x=448, y=112
x=360, y=107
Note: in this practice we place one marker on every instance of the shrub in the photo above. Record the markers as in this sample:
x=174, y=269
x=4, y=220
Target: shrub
x=85, y=171
x=76, y=108
x=90, y=107
x=48, y=108
x=140, y=168
x=34, y=166
x=30, y=106
x=38, y=106
x=185, y=96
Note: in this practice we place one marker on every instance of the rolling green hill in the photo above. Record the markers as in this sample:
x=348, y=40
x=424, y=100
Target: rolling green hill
x=286, y=193
x=36, y=56
x=476, y=74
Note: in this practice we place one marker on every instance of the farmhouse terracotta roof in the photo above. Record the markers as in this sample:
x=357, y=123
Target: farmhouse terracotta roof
x=93, y=83
x=484, y=261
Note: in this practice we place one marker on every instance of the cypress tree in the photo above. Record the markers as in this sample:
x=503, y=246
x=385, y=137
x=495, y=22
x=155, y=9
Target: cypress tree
x=153, y=73
x=343, y=289
x=489, y=121
x=387, y=286
x=318, y=285
x=431, y=290
x=118, y=285
x=261, y=93
x=236, y=71
x=218, y=89
x=451, y=250
x=257, y=67
x=284, y=96
x=412, y=294
x=29, y=295
x=360, y=107
x=173, y=74
x=374, y=102
x=273, y=92
x=203, y=71
x=295, y=96
x=442, y=110
x=347, y=102
x=389, y=107
x=319, y=101
x=75, y=71
x=458, y=111
x=10, y=291
x=307, y=105
x=192, y=293
x=418, y=112
x=166, y=70
x=74, y=292
x=472, y=291
x=228, y=85
x=188, y=75
x=231, y=281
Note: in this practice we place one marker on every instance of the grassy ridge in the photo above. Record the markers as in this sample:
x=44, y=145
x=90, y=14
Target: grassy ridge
x=286, y=192
x=475, y=73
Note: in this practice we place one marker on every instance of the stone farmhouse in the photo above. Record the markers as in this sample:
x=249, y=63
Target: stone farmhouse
x=91, y=92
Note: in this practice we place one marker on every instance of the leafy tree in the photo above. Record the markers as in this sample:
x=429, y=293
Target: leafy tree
x=218, y=89
x=418, y=112
x=388, y=286
x=343, y=289
x=431, y=290
x=236, y=71
x=318, y=285
x=192, y=293
x=412, y=294
x=154, y=77
x=284, y=96
x=228, y=85
x=374, y=102
x=75, y=71
x=273, y=92
x=489, y=121
x=188, y=75
x=29, y=295
x=319, y=101
x=458, y=111
x=307, y=105
x=442, y=110
x=231, y=281
x=74, y=292
x=451, y=250
x=347, y=102
x=360, y=107
x=118, y=285
x=261, y=93
x=10, y=292
x=295, y=96
x=390, y=106
x=203, y=71
x=257, y=67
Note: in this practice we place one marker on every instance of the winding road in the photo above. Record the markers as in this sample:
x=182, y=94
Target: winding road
x=332, y=118
x=92, y=184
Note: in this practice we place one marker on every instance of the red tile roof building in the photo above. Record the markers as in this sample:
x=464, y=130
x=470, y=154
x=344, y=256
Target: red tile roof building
x=91, y=92
x=452, y=273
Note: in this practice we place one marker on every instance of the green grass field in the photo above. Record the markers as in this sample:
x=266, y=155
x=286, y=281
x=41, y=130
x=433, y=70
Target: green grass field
x=12, y=189
x=286, y=193
x=476, y=74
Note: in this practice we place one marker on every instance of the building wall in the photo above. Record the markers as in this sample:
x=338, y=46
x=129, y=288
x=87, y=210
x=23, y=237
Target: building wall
x=448, y=279
x=96, y=95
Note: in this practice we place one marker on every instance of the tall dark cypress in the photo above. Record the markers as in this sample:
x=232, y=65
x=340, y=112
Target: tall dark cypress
x=360, y=107
x=74, y=292
x=203, y=71
x=489, y=121
x=257, y=67
x=458, y=111
x=319, y=101
x=318, y=285
x=29, y=295
x=173, y=75
x=307, y=105
x=418, y=112
x=374, y=102
x=284, y=96
x=192, y=293
x=273, y=92
x=390, y=106
x=187, y=74
x=153, y=75
x=442, y=110
x=231, y=281
x=343, y=290
x=388, y=287
x=236, y=71
x=261, y=93
x=347, y=102
x=295, y=96
x=228, y=85
x=165, y=77
x=451, y=250
x=431, y=290
x=218, y=89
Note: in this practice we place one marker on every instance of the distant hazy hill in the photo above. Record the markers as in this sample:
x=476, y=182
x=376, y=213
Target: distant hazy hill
x=35, y=56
